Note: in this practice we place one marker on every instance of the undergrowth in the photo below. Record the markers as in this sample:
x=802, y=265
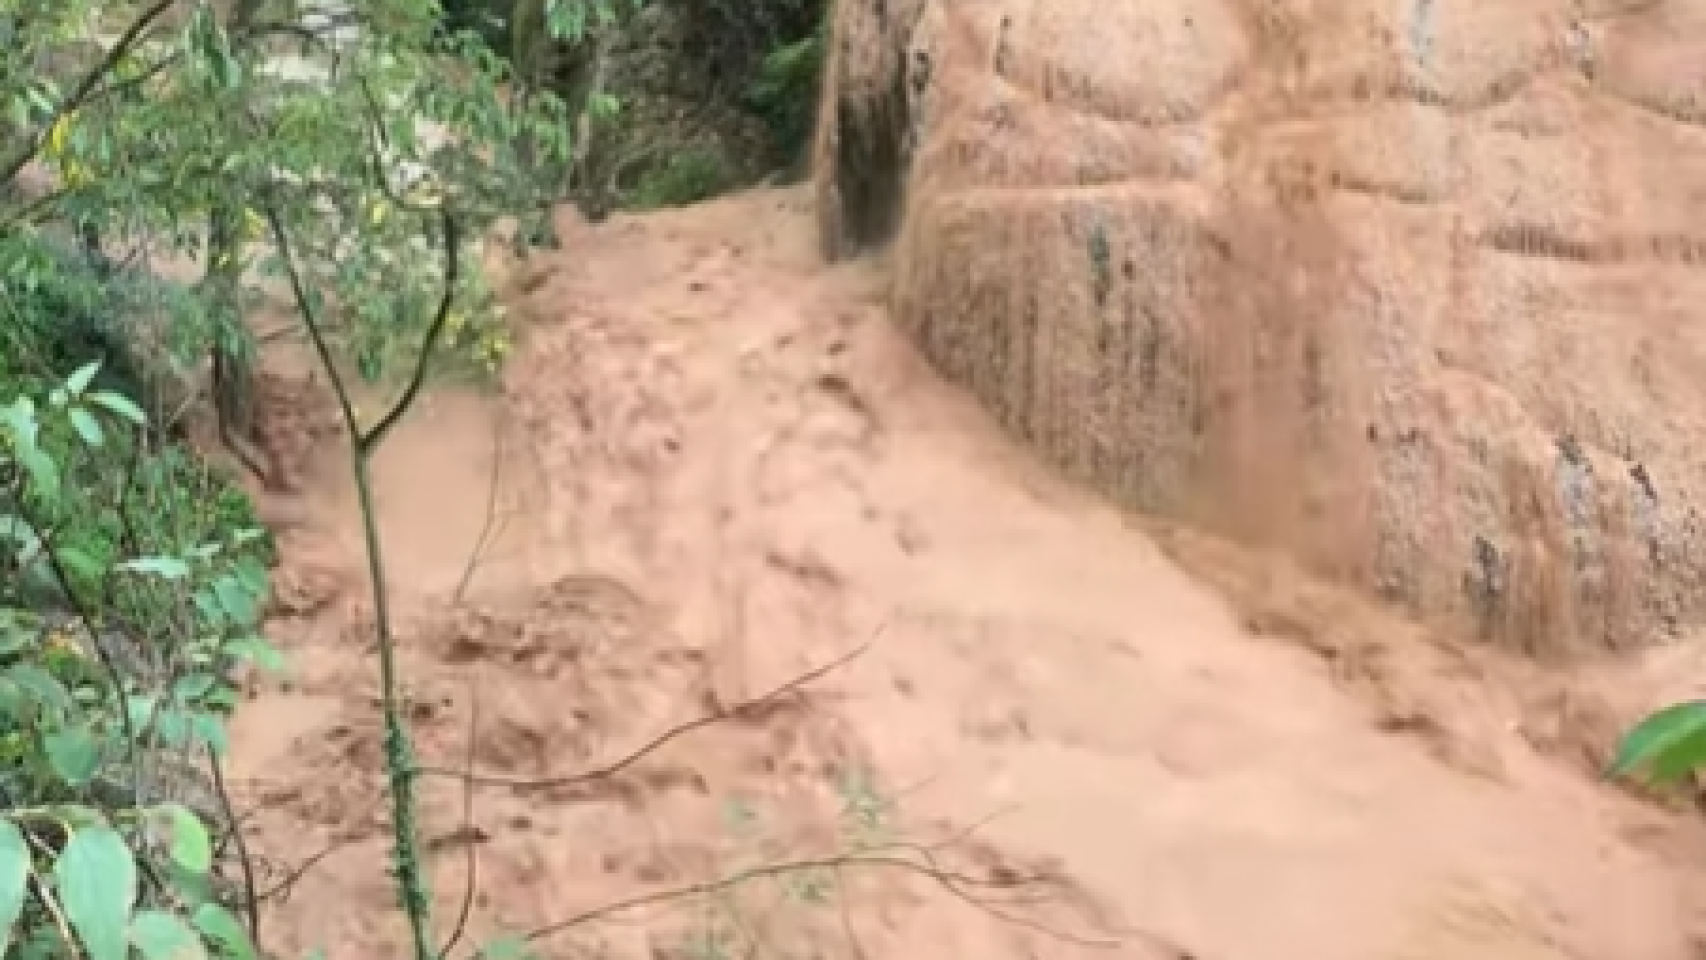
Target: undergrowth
x=687, y=177
x=133, y=588
x=783, y=90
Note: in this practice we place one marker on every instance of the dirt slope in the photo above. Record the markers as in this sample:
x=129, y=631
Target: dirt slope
x=1408, y=290
x=721, y=467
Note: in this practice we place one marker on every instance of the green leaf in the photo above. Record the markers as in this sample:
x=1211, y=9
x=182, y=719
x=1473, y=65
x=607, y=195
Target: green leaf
x=193, y=686
x=44, y=473
x=142, y=708
x=218, y=925
x=207, y=604
x=16, y=705
x=190, y=846
x=118, y=404
x=210, y=730
x=252, y=574
x=87, y=427
x=96, y=880
x=258, y=652
x=166, y=568
x=1669, y=743
x=192, y=889
x=210, y=43
x=43, y=944
x=172, y=726
x=78, y=562
x=74, y=753
x=14, y=878
x=80, y=378
x=15, y=530
x=18, y=629
x=247, y=535
x=237, y=600
x=603, y=106
x=20, y=420
x=163, y=936
x=47, y=691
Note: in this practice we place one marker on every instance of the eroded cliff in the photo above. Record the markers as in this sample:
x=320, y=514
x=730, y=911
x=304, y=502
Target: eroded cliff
x=1406, y=290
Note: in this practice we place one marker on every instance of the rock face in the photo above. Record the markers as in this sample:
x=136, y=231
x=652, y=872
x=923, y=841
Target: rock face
x=1414, y=291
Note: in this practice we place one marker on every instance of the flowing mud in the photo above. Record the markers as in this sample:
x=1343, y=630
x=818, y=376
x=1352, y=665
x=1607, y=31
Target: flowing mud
x=718, y=468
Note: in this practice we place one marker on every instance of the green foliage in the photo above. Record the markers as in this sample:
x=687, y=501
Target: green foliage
x=1665, y=747
x=683, y=178
x=132, y=578
x=740, y=33
x=201, y=118
x=60, y=311
x=128, y=670
x=784, y=91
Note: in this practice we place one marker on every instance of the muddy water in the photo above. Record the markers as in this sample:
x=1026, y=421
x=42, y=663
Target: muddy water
x=721, y=467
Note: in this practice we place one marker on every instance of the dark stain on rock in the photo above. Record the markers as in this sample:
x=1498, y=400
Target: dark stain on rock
x=1149, y=349
x=1484, y=582
x=920, y=74
x=1101, y=264
x=1647, y=517
x=1026, y=368
x=1644, y=480
x=1314, y=375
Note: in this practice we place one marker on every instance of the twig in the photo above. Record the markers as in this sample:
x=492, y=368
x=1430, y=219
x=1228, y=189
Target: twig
x=299, y=871
x=486, y=525
x=738, y=711
x=471, y=883
x=251, y=902
x=960, y=885
x=80, y=607
x=471, y=779
x=45, y=897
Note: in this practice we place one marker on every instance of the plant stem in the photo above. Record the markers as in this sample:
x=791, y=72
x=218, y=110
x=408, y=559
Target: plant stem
x=401, y=770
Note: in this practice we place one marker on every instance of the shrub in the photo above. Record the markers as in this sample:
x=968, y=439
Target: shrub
x=784, y=91
x=133, y=589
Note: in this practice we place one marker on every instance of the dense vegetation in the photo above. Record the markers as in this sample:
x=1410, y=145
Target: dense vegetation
x=132, y=574
x=685, y=98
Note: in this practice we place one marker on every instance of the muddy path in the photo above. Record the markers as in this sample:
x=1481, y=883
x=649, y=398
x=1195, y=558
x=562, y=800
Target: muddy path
x=718, y=468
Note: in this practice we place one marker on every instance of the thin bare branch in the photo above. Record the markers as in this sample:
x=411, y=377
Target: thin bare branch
x=471, y=882
x=961, y=886
x=739, y=711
